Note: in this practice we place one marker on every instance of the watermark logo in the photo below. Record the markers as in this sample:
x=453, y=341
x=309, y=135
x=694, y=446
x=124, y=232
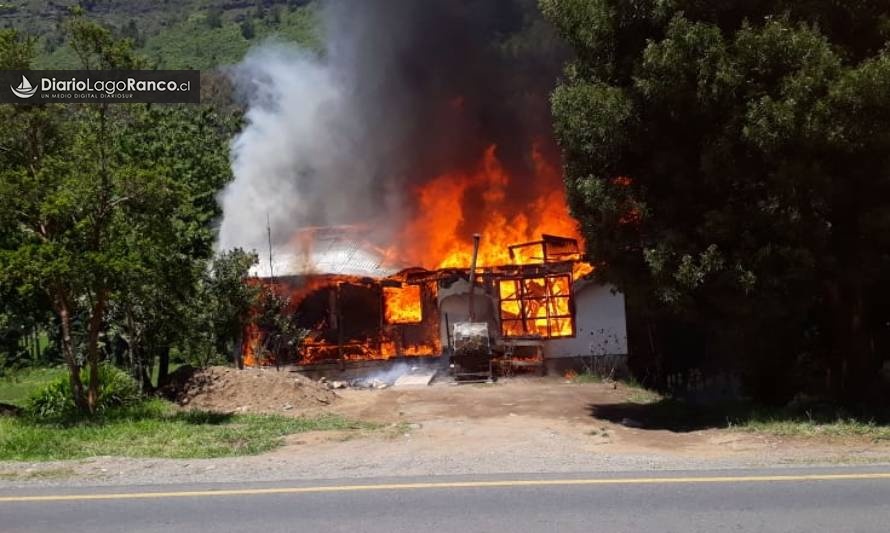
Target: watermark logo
x=100, y=86
x=25, y=89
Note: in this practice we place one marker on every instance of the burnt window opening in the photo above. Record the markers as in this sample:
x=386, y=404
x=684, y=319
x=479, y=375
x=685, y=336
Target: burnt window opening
x=536, y=306
x=402, y=305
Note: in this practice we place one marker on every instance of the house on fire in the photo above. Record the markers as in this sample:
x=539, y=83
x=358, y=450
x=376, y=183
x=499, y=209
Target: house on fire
x=544, y=311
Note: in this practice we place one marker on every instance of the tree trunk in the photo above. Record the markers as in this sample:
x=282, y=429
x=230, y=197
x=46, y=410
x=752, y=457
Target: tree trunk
x=145, y=376
x=93, y=332
x=62, y=308
x=163, y=365
x=239, y=349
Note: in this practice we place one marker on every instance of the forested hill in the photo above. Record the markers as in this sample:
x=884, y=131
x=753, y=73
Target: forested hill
x=171, y=33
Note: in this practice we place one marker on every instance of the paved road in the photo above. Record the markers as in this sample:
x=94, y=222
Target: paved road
x=806, y=500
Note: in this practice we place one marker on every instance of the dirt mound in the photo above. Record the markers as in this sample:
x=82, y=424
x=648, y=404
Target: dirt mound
x=229, y=390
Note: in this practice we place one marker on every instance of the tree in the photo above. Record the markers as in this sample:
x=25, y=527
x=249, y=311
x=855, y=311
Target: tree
x=215, y=317
x=247, y=29
x=106, y=212
x=213, y=18
x=276, y=320
x=728, y=163
x=16, y=51
x=189, y=143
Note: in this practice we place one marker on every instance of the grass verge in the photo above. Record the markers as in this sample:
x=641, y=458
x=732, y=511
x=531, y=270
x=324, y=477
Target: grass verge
x=784, y=425
x=156, y=429
x=825, y=421
x=16, y=388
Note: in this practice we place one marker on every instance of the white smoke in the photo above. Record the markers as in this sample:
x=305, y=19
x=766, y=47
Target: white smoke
x=342, y=137
x=282, y=144
x=306, y=156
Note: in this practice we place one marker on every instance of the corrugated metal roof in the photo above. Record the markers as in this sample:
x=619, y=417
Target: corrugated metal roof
x=328, y=250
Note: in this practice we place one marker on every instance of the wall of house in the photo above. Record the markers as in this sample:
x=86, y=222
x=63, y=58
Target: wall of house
x=600, y=325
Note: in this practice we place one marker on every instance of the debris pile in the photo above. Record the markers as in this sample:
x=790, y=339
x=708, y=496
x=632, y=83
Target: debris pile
x=358, y=383
x=229, y=390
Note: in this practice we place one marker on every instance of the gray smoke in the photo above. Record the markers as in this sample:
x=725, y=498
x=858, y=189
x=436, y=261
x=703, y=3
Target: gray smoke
x=403, y=91
x=299, y=159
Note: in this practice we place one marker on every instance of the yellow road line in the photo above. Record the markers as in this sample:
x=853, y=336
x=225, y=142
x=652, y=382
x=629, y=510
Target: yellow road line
x=444, y=485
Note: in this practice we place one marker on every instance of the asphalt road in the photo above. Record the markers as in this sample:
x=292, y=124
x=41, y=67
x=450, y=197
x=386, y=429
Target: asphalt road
x=806, y=500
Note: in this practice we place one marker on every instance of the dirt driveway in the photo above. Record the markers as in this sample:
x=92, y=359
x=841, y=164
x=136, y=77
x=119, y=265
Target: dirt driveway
x=547, y=424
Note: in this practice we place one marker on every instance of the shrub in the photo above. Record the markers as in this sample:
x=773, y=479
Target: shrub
x=56, y=400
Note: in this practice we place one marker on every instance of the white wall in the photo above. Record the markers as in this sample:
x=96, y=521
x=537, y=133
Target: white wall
x=600, y=324
x=456, y=306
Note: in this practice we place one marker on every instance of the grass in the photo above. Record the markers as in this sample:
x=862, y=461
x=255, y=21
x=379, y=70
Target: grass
x=638, y=393
x=156, y=429
x=585, y=377
x=783, y=425
x=15, y=389
x=643, y=396
x=654, y=411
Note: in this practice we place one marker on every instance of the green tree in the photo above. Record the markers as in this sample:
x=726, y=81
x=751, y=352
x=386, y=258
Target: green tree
x=16, y=51
x=728, y=163
x=189, y=143
x=247, y=29
x=106, y=212
x=213, y=17
x=276, y=320
x=216, y=316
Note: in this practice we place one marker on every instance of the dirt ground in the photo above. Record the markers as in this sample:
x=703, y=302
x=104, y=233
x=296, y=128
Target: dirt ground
x=514, y=426
x=535, y=414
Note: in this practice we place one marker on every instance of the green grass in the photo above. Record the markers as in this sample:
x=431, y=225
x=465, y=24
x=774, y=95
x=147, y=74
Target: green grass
x=18, y=387
x=638, y=393
x=587, y=377
x=818, y=421
x=796, y=426
x=157, y=429
x=643, y=396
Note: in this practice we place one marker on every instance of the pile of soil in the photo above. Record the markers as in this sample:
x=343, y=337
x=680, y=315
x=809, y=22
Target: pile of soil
x=229, y=390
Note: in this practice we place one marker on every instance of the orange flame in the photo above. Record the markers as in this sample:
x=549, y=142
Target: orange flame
x=402, y=304
x=437, y=236
x=449, y=209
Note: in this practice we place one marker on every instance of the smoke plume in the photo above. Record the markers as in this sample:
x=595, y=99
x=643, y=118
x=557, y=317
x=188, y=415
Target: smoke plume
x=403, y=91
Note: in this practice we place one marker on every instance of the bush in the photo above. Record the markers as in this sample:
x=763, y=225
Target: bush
x=56, y=400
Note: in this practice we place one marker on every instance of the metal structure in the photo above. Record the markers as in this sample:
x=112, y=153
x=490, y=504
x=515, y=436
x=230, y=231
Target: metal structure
x=472, y=346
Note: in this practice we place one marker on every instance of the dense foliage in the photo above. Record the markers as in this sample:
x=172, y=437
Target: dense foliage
x=56, y=400
x=730, y=165
x=106, y=224
x=198, y=34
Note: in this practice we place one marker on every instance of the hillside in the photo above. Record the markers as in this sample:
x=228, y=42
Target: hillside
x=171, y=33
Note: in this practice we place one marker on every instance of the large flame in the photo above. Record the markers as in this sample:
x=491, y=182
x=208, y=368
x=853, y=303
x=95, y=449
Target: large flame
x=449, y=209
x=437, y=237
x=402, y=304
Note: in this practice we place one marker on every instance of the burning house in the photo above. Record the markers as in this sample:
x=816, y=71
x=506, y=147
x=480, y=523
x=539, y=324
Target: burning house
x=376, y=161
x=543, y=310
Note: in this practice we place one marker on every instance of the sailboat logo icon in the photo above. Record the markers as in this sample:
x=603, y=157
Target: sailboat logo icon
x=24, y=90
